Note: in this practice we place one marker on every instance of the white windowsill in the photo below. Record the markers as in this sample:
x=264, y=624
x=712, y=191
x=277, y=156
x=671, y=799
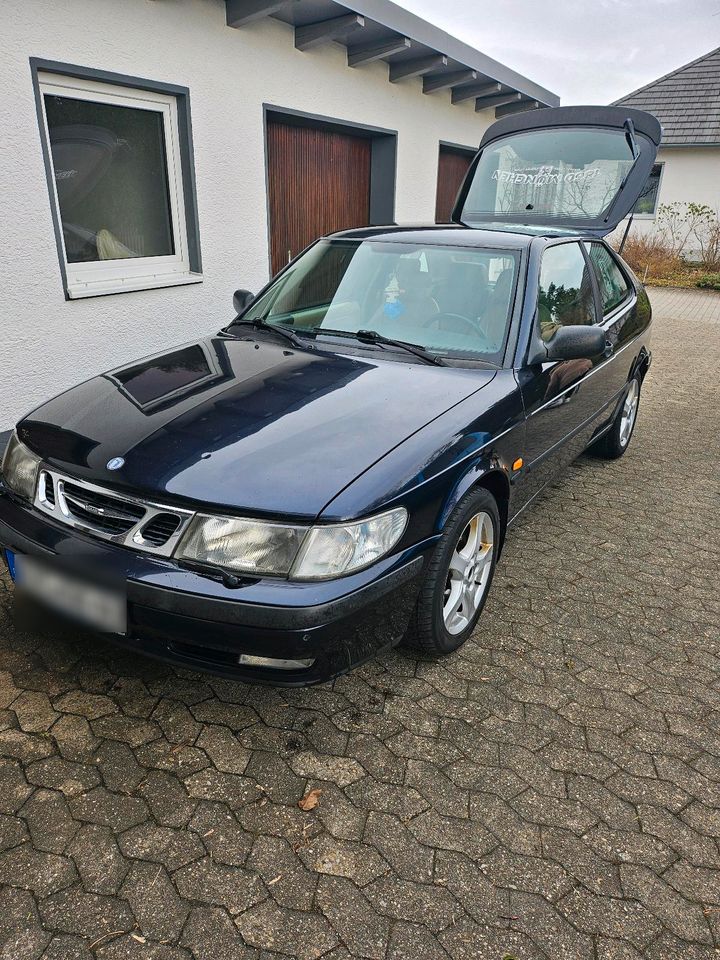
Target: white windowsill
x=101, y=288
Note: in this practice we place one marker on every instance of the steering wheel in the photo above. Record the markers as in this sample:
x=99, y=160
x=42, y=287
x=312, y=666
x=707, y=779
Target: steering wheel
x=473, y=326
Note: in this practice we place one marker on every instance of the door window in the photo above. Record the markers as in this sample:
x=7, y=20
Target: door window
x=566, y=293
x=613, y=285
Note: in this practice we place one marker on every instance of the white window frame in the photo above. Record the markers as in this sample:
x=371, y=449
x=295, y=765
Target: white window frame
x=95, y=278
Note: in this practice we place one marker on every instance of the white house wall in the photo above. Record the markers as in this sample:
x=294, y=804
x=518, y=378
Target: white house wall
x=49, y=343
x=690, y=175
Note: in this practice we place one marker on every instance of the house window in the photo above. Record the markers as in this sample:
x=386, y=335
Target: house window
x=647, y=202
x=118, y=184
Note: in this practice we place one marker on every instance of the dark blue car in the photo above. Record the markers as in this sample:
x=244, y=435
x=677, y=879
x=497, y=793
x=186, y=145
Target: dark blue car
x=337, y=469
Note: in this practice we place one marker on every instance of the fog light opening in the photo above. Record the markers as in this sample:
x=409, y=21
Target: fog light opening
x=247, y=660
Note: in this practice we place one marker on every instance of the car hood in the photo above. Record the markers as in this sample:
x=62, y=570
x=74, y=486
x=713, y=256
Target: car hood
x=244, y=423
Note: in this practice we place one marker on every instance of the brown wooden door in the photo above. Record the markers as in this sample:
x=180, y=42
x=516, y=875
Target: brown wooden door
x=318, y=182
x=452, y=167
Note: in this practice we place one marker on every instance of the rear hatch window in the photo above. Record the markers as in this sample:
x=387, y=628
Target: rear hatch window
x=549, y=170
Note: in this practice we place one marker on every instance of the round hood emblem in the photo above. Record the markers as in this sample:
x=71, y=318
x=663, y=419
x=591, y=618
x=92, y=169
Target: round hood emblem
x=115, y=463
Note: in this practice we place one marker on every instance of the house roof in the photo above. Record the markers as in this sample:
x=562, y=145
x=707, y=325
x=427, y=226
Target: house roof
x=686, y=102
x=375, y=30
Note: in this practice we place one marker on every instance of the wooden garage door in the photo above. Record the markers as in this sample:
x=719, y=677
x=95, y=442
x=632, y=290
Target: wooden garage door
x=318, y=182
x=452, y=167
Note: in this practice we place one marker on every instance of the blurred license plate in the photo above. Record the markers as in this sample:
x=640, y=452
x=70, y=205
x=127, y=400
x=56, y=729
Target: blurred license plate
x=97, y=607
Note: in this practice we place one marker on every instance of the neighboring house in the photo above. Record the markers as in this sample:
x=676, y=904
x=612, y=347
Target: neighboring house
x=687, y=104
x=127, y=226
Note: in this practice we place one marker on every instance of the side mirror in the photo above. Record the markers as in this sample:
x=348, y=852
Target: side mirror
x=242, y=300
x=576, y=342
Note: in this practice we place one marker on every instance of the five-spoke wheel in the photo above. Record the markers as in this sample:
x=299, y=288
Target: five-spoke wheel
x=458, y=575
x=469, y=573
x=629, y=411
x=615, y=442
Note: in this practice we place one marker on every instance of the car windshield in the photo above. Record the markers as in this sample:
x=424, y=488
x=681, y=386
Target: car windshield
x=452, y=301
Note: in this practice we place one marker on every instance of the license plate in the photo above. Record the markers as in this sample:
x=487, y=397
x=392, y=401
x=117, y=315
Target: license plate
x=99, y=608
x=10, y=558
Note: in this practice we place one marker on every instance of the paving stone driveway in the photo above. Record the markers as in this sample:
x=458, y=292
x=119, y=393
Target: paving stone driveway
x=551, y=791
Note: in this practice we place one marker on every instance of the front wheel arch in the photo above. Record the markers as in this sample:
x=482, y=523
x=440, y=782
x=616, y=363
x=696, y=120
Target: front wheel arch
x=492, y=479
x=428, y=629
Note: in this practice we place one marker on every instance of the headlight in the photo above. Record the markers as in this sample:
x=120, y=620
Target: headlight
x=317, y=553
x=20, y=468
x=337, y=550
x=244, y=546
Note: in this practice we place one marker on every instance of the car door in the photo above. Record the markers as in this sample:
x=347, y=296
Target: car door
x=563, y=399
x=622, y=320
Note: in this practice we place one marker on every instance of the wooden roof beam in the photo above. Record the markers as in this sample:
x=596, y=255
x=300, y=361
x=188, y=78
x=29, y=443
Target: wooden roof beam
x=471, y=90
x=240, y=12
x=370, y=52
x=314, y=34
x=483, y=103
x=521, y=107
x=446, y=81
x=416, y=67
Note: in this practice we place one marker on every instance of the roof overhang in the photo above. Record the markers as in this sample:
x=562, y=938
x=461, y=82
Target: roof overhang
x=380, y=30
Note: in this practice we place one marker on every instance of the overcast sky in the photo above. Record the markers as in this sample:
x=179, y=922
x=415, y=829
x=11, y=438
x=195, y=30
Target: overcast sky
x=587, y=51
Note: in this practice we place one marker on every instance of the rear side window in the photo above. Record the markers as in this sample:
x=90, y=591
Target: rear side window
x=566, y=293
x=613, y=285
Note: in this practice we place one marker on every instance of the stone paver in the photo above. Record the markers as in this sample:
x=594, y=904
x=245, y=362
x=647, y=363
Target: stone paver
x=552, y=791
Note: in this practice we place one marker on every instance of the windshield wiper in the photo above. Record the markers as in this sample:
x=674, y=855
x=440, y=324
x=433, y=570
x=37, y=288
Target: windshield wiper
x=372, y=336
x=260, y=323
x=629, y=128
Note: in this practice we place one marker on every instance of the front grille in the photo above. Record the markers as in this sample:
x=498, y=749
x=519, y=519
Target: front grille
x=50, y=491
x=160, y=528
x=100, y=511
x=126, y=520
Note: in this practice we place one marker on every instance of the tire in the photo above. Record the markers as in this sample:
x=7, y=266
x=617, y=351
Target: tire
x=615, y=442
x=434, y=630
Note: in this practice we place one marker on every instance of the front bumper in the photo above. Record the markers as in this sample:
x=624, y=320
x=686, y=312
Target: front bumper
x=193, y=620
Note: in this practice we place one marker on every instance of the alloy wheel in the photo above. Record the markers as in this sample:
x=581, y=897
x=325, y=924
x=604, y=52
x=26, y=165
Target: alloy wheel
x=629, y=412
x=469, y=573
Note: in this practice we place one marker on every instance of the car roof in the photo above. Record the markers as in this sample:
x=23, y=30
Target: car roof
x=513, y=236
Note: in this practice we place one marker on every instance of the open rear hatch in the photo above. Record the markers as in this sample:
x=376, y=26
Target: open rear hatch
x=577, y=168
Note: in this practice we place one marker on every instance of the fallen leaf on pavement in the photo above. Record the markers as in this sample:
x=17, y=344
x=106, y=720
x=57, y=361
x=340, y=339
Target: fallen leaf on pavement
x=310, y=800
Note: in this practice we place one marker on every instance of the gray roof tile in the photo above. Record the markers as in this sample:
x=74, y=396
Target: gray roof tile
x=686, y=101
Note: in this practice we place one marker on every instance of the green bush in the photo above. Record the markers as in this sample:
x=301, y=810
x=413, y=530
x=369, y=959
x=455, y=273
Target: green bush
x=711, y=281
